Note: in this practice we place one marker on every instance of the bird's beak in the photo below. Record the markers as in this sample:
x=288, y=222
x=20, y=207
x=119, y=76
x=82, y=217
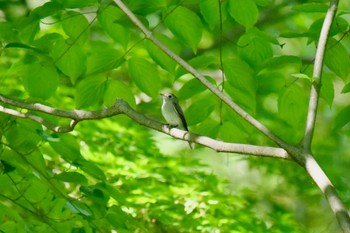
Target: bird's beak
x=162, y=94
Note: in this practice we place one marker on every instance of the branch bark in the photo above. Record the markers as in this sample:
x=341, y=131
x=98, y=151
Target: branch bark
x=301, y=155
x=122, y=107
x=255, y=123
x=317, y=75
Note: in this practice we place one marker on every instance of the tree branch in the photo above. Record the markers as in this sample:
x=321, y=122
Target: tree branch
x=317, y=75
x=255, y=123
x=122, y=107
x=301, y=156
x=323, y=182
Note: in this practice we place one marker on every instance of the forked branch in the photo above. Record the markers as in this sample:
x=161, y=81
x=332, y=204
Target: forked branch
x=122, y=107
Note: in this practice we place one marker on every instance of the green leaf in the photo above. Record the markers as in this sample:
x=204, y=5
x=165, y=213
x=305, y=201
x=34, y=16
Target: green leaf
x=311, y=7
x=327, y=89
x=303, y=76
x=242, y=82
x=116, y=89
x=47, y=41
x=7, y=32
x=146, y=7
x=78, y=3
x=159, y=56
x=36, y=160
x=67, y=146
x=109, y=18
x=256, y=51
x=72, y=177
x=76, y=26
x=281, y=61
x=40, y=80
x=145, y=75
x=339, y=25
x=292, y=105
x=103, y=58
x=185, y=25
x=342, y=118
x=70, y=59
x=28, y=28
x=202, y=61
x=229, y=132
x=23, y=136
x=118, y=218
x=48, y=9
x=346, y=89
x=337, y=59
x=78, y=207
x=90, y=91
x=210, y=10
x=199, y=111
x=6, y=167
x=90, y=168
x=36, y=192
x=96, y=195
x=191, y=88
x=245, y=12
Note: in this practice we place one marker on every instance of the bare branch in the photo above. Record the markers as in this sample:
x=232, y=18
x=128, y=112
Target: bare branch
x=258, y=125
x=323, y=182
x=122, y=107
x=36, y=119
x=317, y=75
x=298, y=155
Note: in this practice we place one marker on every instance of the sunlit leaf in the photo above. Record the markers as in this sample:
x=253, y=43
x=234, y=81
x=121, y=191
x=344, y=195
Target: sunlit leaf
x=342, y=118
x=72, y=177
x=159, y=56
x=70, y=59
x=67, y=147
x=210, y=9
x=243, y=84
x=78, y=207
x=76, y=26
x=186, y=25
x=90, y=168
x=311, y=7
x=190, y=88
x=37, y=191
x=199, y=111
x=245, y=12
x=145, y=75
x=337, y=59
x=40, y=80
x=327, y=89
x=90, y=91
x=78, y=3
x=116, y=89
x=303, y=76
x=292, y=105
x=48, y=9
x=109, y=19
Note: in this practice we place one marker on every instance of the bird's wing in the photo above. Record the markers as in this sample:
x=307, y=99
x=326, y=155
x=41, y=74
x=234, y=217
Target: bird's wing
x=181, y=114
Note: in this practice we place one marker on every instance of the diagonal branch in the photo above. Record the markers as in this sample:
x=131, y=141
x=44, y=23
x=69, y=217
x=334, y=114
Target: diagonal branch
x=122, y=107
x=255, y=123
x=300, y=155
x=317, y=75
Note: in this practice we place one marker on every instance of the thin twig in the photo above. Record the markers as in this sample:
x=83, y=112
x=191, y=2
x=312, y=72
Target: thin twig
x=301, y=156
x=255, y=123
x=317, y=75
x=122, y=107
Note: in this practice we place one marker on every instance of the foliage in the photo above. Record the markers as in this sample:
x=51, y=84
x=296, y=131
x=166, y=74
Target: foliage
x=110, y=174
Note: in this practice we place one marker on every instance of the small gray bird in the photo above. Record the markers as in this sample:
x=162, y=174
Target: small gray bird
x=173, y=113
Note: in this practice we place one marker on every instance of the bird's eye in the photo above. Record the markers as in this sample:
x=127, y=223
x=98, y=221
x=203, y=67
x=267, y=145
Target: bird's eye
x=170, y=96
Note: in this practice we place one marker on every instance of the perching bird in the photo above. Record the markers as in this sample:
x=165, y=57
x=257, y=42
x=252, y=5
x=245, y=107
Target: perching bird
x=173, y=113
